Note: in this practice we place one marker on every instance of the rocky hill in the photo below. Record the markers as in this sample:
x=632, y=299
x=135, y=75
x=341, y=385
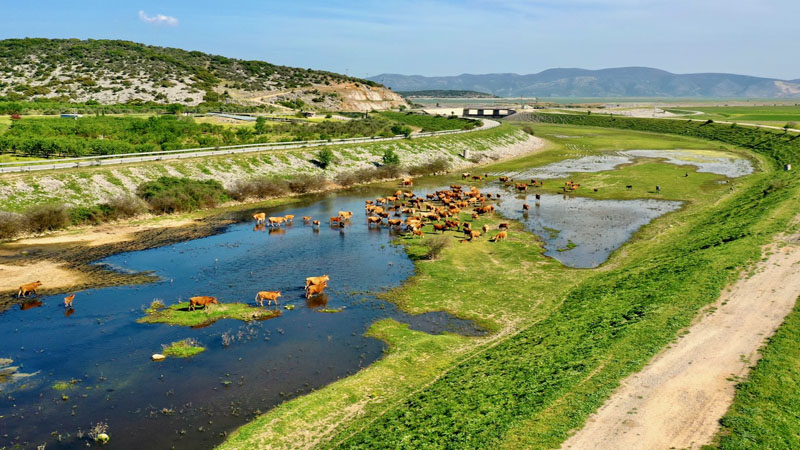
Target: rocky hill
x=111, y=71
x=618, y=82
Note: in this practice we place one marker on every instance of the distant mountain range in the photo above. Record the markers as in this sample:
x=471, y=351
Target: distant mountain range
x=617, y=82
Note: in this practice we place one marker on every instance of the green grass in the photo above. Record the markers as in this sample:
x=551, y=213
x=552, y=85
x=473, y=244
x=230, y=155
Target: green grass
x=64, y=385
x=766, y=410
x=772, y=114
x=563, y=338
x=429, y=123
x=179, y=314
x=183, y=349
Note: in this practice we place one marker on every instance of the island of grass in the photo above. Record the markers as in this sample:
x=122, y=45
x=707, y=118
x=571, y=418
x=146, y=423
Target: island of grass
x=179, y=314
x=185, y=348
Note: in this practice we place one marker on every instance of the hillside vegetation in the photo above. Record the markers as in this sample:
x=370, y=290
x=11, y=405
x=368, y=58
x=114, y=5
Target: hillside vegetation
x=47, y=137
x=113, y=71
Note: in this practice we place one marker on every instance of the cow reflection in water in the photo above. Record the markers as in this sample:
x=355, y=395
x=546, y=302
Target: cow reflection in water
x=259, y=227
x=30, y=305
x=68, y=312
x=277, y=231
x=317, y=301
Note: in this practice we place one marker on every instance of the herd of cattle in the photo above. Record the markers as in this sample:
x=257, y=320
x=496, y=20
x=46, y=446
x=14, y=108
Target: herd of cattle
x=408, y=212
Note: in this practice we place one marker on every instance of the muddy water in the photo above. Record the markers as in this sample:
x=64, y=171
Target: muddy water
x=578, y=231
x=717, y=162
x=247, y=367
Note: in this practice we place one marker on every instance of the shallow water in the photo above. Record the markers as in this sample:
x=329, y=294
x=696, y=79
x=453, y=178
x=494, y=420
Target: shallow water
x=720, y=163
x=187, y=403
x=716, y=162
x=578, y=231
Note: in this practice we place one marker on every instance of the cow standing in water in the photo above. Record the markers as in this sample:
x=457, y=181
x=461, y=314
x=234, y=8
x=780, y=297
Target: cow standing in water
x=68, y=301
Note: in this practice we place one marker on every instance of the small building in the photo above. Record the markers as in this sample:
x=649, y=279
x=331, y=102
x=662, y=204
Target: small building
x=487, y=112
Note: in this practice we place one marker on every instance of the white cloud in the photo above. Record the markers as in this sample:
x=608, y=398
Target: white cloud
x=158, y=19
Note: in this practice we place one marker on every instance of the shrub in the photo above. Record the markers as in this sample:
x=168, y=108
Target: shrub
x=438, y=165
x=10, y=225
x=125, y=206
x=47, y=218
x=171, y=194
x=435, y=245
x=388, y=171
x=325, y=157
x=306, y=183
x=261, y=187
x=390, y=157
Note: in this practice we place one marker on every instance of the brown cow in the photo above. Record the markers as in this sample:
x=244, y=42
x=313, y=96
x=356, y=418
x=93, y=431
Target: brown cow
x=439, y=227
x=260, y=217
x=68, y=301
x=335, y=220
x=203, y=301
x=417, y=232
x=408, y=182
x=269, y=296
x=346, y=214
x=502, y=226
x=500, y=236
x=373, y=220
x=485, y=229
x=306, y=219
x=464, y=176
x=276, y=221
x=522, y=187
x=526, y=207
x=474, y=235
x=289, y=217
x=317, y=280
x=315, y=289
x=27, y=288
x=315, y=223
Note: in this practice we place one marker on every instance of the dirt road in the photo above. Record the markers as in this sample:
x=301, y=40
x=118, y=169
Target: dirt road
x=676, y=401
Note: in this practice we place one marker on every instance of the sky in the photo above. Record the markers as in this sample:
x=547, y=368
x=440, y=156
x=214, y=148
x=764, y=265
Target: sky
x=443, y=37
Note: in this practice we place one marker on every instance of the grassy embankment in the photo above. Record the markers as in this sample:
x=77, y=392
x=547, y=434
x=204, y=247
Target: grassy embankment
x=179, y=314
x=564, y=337
x=94, y=185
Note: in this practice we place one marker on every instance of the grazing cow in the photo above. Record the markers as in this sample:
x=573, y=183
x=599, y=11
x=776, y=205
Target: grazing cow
x=502, y=226
x=464, y=176
x=629, y=186
x=68, y=301
x=526, y=207
x=474, y=235
x=306, y=219
x=317, y=280
x=477, y=177
x=595, y=189
x=503, y=179
x=439, y=227
x=417, y=232
x=276, y=221
x=269, y=296
x=315, y=289
x=522, y=187
x=658, y=189
x=260, y=217
x=289, y=218
x=203, y=301
x=474, y=216
x=25, y=289
x=485, y=229
x=500, y=236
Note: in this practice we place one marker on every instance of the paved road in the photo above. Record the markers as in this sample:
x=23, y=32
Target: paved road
x=109, y=160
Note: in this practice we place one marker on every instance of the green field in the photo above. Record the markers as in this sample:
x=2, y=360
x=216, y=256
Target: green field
x=561, y=338
x=765, y=115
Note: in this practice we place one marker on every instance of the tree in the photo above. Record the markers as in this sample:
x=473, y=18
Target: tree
x=325, y=157
x=175, y=108
x=390, y=157
x=261, y=125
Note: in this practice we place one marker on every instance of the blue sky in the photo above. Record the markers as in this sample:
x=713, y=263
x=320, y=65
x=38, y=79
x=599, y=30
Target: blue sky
x=443, y=37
